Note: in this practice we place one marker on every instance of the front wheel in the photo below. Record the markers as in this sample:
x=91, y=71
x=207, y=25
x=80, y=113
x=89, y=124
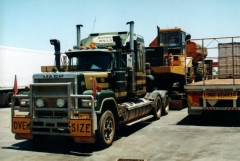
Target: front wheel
x=106, y=129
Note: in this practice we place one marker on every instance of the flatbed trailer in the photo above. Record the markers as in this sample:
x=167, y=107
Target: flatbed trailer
x=222, y=93
x=215, y=83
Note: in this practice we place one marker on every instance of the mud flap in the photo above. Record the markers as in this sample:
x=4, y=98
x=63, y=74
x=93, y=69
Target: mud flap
x=176, y=104
x=194, y=111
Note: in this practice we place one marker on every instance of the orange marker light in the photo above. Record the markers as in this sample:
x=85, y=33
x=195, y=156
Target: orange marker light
x=92, y=45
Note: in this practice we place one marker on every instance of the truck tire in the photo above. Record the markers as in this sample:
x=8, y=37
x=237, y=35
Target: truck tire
x=106, y=129
x=166, y=105
x=8, y=99
x=157, y=110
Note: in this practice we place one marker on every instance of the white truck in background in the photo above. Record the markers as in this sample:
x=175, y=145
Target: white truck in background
x=20, y=62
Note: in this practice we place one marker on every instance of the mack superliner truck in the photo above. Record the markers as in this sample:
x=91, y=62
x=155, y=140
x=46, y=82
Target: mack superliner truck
x=172, y=55
x=103, y=85
x=221, y=93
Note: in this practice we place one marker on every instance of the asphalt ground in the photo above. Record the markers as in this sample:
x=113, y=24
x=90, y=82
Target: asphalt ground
x=176, y=136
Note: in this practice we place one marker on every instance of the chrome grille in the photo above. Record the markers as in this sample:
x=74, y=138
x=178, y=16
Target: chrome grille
x=43, y=89
x=47, y=119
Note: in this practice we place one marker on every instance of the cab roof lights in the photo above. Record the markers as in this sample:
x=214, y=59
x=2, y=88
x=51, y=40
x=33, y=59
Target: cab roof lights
x=93, y=45
x=109, y=48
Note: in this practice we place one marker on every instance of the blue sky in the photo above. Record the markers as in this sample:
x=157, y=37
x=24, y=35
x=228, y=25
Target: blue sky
x=31, y=24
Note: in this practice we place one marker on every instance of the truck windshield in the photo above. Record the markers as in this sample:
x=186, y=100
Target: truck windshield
x=170, y=39
x=91, y=61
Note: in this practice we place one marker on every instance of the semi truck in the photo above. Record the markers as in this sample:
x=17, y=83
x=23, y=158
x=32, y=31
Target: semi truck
x=221, y=93
x=20, y=62
x=104, y=85
x=172, y=55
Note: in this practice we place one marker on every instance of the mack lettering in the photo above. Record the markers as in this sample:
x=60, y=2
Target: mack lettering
x=53, y=76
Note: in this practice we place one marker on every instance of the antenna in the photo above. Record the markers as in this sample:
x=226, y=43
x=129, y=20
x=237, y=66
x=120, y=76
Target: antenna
x=94, y=24
x=66, y=43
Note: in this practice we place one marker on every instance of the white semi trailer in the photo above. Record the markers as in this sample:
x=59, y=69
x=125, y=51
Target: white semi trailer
x=22, y=63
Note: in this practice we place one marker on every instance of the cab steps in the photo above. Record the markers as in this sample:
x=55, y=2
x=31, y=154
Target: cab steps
x=144, y=118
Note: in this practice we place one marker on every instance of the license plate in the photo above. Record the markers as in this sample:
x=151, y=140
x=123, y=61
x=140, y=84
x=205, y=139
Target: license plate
x=20, y=125
x=80, y=127
x=220, y=95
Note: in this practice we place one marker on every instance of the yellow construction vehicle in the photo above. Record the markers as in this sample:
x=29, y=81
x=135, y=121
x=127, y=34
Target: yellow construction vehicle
x=172, y=55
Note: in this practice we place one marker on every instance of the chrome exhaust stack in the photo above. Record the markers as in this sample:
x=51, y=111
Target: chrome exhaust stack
x=158, y=36
x=131, y=23
x=79, y=34
x=57, y=53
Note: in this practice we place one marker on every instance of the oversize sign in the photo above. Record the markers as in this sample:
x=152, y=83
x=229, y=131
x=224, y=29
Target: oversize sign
x=80, y=127
x=220, y=95
x=20, y=125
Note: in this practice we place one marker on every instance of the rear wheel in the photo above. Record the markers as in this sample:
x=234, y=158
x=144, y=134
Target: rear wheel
x=106, y=126
x=157, y=110
x=166, y=105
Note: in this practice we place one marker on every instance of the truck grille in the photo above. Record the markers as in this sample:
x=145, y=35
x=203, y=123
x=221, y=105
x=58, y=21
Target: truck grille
x=50, y=94
x=51, y=119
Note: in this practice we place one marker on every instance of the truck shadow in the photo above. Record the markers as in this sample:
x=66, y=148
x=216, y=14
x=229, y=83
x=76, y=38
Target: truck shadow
x=56, y=145
x=67, y=146
x=213, y=118
x=126, y=131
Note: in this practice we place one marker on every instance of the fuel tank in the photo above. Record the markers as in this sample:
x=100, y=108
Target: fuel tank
x=131, y=110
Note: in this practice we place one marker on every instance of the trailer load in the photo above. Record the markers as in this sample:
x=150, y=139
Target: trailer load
x=172, y=55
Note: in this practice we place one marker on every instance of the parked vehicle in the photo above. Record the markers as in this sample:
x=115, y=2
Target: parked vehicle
x=22, y=63
x=103, y=86
x=172, y=55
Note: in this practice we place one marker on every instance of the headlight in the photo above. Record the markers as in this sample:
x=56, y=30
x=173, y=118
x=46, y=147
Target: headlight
x=86, y=103
x=61, y=102
x=40, y=103
x=24, y=102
